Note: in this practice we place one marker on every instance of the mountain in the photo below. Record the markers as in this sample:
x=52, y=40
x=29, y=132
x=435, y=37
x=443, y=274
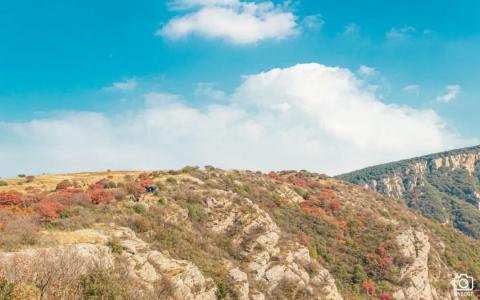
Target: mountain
x=213, y=234
x=443, y=186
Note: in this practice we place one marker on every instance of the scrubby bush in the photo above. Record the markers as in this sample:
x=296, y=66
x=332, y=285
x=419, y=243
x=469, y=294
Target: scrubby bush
x=63, y=185
x=196, y=212
x=101, y=196
x=115, y=245
x=10, y=197
x=49, y=209
x=21, y=231
x=139, y=208
x=3, y=183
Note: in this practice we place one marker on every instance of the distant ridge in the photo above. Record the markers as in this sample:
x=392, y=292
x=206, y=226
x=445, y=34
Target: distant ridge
x=444, y=186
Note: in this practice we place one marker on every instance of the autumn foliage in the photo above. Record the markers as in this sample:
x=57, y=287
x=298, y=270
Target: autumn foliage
x=10, y=198
x=369, y=287
x=49, y=209
x=101, y=196
x=63, y=185
x=386, y=296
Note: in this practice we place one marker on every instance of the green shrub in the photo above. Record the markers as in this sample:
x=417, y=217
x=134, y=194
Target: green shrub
x=115, y=245
x=103, y=284
x=196, y=212
x=3, y=183
x=6, y=290
x=139, y=208
x=221, y=290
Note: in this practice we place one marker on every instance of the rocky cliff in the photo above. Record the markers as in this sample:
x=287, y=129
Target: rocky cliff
x=444, y=186
x=213, y=234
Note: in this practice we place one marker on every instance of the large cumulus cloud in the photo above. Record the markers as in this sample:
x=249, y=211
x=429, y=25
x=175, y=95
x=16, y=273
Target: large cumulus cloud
x=308, y=116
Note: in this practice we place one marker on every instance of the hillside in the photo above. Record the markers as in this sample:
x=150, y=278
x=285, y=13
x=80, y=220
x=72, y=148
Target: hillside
x=443, y=186
x=213, y=234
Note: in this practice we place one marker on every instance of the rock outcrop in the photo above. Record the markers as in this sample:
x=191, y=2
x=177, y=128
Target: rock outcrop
x=258, y=239
x=148, y=268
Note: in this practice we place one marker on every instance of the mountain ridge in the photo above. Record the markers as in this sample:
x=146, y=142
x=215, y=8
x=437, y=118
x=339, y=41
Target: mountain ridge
x=215, y=234
x=444, y=186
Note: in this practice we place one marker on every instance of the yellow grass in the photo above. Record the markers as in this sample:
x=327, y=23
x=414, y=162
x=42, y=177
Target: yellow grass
x=49, y=182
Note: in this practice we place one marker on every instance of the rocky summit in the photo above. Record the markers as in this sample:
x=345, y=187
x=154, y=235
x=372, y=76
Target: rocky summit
x=217, y=234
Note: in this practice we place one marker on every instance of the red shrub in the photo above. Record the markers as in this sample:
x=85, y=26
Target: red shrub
x=325, y=195
x=274, y=176
x=10, y=198
x=49, y=209
x=334, y=205
x=63, y=185
x=369, y=287
x=101, y=196
x=381, y=251
x=146, y=182
x=295, y=180
x=386, y=296
x=97, y=186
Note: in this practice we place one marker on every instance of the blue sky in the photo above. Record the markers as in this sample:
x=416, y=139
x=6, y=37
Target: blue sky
x=63, y=58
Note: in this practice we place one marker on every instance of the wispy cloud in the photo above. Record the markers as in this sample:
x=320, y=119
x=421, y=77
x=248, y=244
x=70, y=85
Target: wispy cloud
x=238, y=22
x=412, y=88
x=126, y=85
x=451, y=93
x=313, y=22
x=207, y=89
x=366, y=70
x=351, y=28
x=399, y=33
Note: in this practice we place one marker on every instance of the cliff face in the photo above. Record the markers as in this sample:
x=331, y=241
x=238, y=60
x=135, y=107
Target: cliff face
x=444, y=186
x=213, y=234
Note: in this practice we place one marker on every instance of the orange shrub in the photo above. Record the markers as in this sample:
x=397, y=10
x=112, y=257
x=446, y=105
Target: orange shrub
x=369, y=287
x=101, y=196
x=49, y=209
x=334, y=205
x=10, y=198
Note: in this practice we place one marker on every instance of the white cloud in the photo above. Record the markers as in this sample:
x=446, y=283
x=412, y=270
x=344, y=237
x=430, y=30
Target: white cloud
x=314, y=22
x=124, y=86
x=399, y=33
x=189, y=4
x=304, y=117
x=351, y=28
x=238, y=22
x=451, y=93
x=412, y=88
x=207, y=89
x=366, y=70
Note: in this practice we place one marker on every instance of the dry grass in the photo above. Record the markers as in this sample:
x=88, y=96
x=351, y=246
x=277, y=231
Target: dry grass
x=49, y=182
